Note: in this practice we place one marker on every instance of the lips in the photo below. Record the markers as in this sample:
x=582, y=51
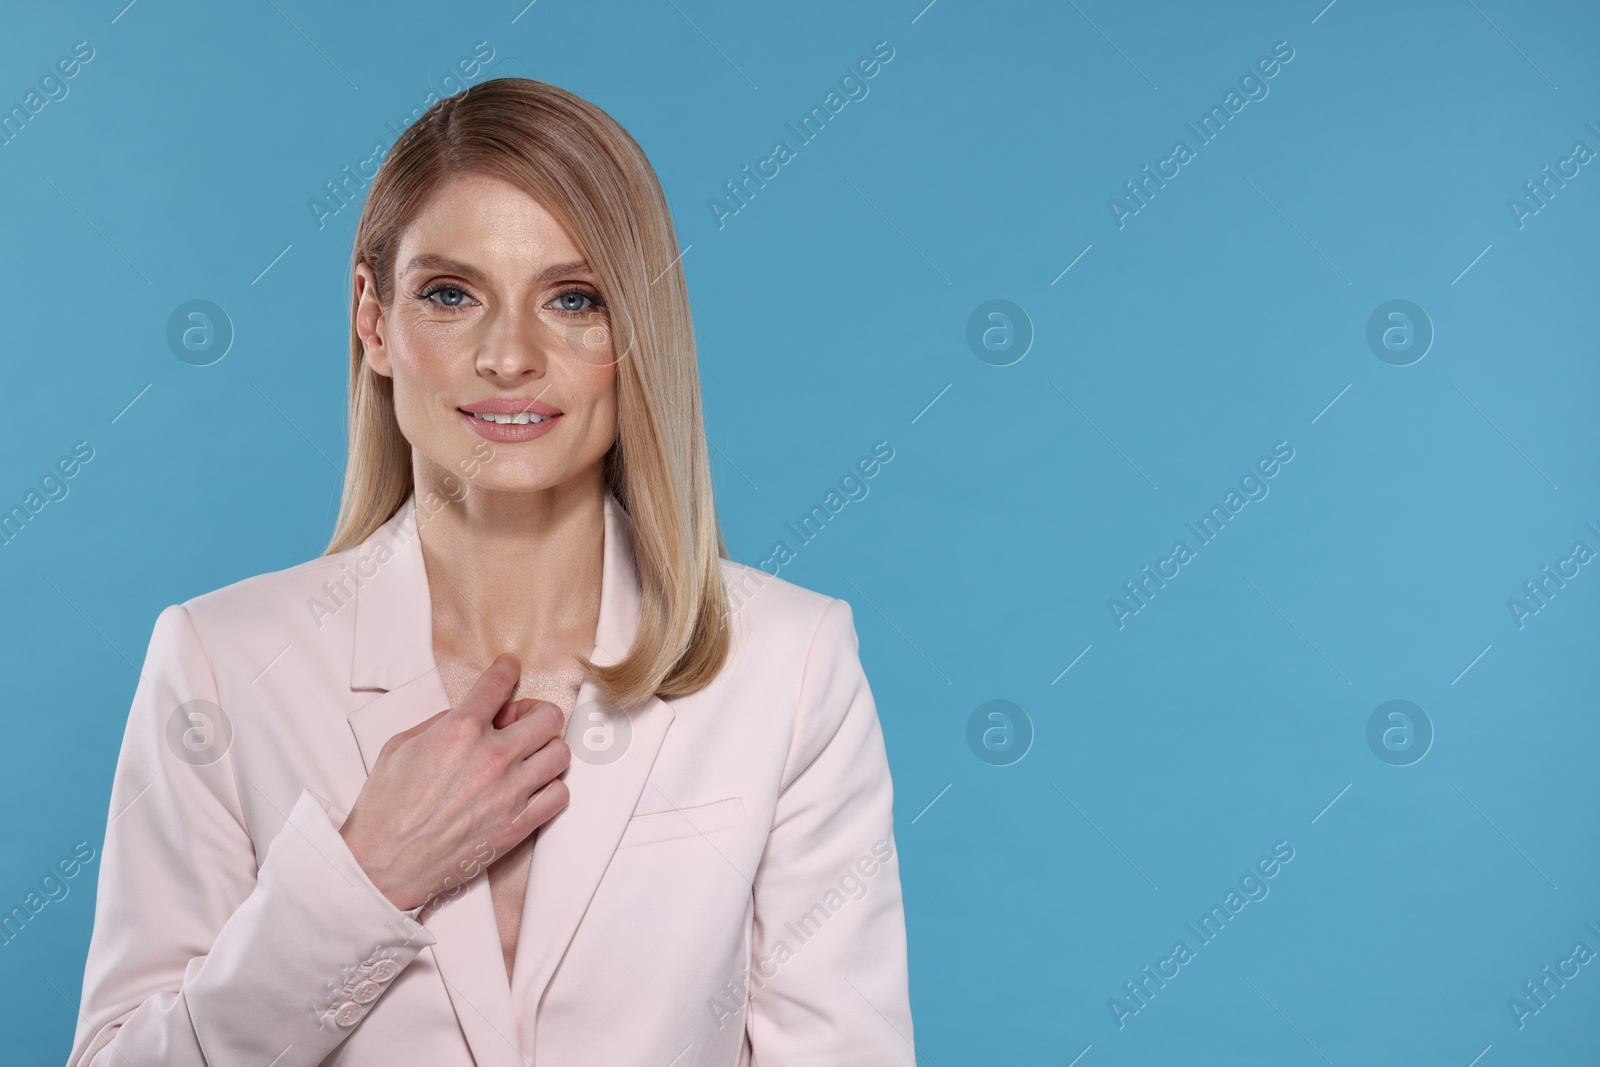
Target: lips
x=521, y=426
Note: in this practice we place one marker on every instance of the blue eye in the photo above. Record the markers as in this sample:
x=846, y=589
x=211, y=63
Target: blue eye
x=595, y=303
x=434, y=290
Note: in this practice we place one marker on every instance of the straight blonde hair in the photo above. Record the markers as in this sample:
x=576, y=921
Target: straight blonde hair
x=585, y=169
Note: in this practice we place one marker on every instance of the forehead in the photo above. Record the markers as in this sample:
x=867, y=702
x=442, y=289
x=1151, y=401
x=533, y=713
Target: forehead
x=488, y=222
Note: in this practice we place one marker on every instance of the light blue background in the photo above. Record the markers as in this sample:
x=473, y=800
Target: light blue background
x=831, y=313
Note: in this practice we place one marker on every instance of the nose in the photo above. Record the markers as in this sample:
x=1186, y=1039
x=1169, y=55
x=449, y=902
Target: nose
x=516, y=345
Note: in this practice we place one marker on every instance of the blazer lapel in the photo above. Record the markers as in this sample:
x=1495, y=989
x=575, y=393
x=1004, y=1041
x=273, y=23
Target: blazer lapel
x=393, y=651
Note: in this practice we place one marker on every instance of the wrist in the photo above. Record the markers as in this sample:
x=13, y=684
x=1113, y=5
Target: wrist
x=374, y=870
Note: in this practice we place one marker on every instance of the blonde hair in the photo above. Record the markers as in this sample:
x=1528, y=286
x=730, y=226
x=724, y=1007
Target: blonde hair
x=586, y=170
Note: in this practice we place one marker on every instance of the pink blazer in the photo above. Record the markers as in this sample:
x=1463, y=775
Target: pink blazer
x=722, y=888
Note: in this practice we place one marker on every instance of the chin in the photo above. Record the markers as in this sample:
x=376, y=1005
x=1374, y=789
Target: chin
x=516, y=485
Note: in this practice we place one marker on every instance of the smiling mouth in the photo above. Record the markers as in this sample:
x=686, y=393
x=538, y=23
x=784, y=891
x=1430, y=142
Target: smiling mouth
x=520, y=419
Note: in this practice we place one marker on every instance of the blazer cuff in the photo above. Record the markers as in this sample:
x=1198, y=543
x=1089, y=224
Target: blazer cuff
x=312, y=949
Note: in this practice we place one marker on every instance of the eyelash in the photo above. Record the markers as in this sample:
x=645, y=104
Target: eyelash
x=428, y=293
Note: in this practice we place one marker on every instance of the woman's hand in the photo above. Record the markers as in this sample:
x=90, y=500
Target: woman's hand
x=452, y=793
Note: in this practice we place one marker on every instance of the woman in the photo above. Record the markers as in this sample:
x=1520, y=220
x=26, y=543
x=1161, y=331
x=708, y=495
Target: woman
x=521, y=770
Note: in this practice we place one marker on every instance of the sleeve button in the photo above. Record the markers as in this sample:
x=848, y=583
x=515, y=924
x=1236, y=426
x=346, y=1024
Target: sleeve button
x=348, y=1014
x=384, y=970
x=365, y=991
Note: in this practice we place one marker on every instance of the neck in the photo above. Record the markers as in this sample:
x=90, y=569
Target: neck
x=515, y=571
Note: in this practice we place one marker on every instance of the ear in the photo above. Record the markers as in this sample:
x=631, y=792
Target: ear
x=369, y=321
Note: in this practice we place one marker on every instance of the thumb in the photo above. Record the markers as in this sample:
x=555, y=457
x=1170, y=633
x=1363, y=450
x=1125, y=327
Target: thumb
x=492, y=689
x=510, y=712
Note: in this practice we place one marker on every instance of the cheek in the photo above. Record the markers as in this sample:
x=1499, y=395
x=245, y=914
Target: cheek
x=423, y=365
x=411, y=388
x=419, y=367
x=601, y=386
x=592, y=345
x=420, y=354
x=594, y=373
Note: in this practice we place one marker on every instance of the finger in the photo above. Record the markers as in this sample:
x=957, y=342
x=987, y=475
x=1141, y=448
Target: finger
x=535, y=726
x=492, y=689
x=547, y=763
x=540, y=808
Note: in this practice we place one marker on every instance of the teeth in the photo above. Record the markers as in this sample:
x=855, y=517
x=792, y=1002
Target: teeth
x=520, y=419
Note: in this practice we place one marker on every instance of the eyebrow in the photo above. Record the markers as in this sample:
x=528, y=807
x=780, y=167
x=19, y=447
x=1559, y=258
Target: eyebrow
x=429, y=261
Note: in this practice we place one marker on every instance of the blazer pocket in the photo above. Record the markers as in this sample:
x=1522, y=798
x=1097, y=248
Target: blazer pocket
x=683, y=822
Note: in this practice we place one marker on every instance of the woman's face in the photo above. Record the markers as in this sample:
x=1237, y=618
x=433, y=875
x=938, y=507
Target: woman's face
x=494, y=313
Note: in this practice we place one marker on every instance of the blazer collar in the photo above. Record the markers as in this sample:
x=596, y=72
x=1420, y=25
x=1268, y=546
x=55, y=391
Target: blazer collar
x=393, y=652
x=394, y=609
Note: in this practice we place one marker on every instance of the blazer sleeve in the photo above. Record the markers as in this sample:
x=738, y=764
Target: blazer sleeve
x=200, y=955
x=828, y=969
